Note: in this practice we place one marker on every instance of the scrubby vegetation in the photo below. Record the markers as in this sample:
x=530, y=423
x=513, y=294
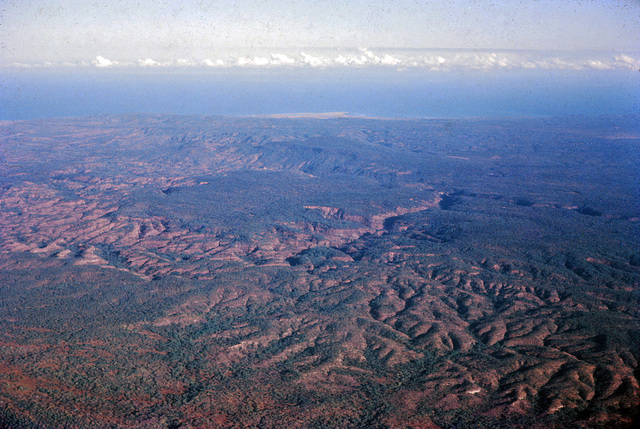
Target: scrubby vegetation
x=163, y=271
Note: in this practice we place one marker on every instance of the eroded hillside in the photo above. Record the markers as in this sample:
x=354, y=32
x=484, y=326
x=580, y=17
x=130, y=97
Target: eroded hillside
x=163, y=271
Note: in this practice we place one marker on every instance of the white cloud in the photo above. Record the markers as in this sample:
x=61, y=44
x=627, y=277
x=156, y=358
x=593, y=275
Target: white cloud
x=184, y=62
x=101, y=61
x=625, y=61
x=487, y=61
x=210, y=63
x=598, y=65
x=389, y=60
x=281, y=59
x=255, y=61
x=147, y=62
x=259, y=61
x=370, y=56
x=399, y=59
x=556, y=63
x=437, y=62
x=342, y=60
x=363, y=58
x=311, y=60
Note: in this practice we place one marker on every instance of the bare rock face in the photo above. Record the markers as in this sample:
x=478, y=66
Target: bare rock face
x=268, y=272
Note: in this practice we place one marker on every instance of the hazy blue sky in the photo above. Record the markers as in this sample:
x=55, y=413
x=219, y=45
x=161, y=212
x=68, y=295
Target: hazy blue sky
x=37, y=31
x=400, y=58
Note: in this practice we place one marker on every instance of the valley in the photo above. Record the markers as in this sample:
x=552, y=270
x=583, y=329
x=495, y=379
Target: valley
x=190, y=271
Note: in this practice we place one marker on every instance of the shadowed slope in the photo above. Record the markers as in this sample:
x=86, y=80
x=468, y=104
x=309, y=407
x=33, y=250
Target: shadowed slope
x=169, y=271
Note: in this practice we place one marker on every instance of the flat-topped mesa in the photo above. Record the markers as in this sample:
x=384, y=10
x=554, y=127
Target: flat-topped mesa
x=335, y=213
x=375, y=221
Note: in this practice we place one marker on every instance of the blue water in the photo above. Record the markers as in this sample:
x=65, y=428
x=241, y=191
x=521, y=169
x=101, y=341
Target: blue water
x=369, y=92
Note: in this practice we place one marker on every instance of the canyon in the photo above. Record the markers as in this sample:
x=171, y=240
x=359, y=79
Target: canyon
x=193, y=271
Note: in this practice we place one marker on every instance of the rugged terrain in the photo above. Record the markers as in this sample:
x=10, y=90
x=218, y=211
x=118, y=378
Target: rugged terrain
x=168, y=271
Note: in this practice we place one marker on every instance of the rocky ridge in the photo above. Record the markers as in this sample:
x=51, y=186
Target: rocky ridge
x=317, y=273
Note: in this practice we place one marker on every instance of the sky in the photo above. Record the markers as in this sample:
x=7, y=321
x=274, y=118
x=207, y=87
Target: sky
x=145, y=33
x=385, y=58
